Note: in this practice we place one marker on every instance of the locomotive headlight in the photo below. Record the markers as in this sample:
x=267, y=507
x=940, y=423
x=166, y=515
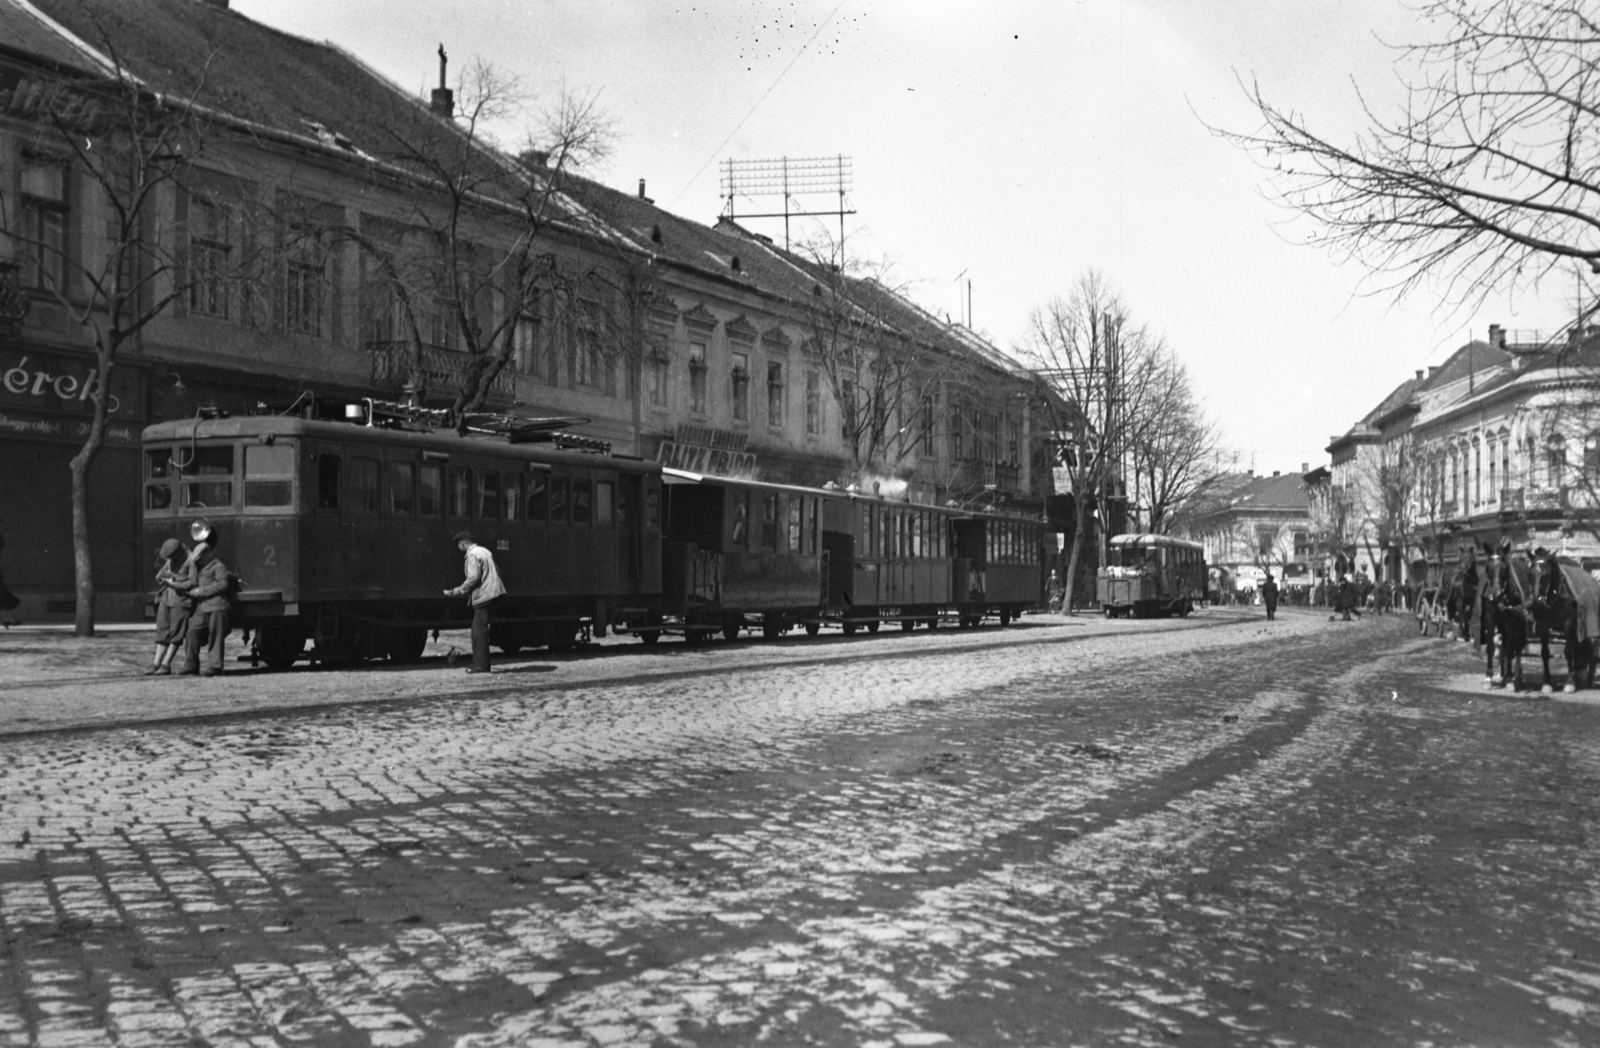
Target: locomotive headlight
x=200, y=530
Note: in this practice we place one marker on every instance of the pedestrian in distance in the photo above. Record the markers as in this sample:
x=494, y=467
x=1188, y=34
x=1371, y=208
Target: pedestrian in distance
x=1269, y=596
x=1058, y=593
x=483, y=589
x=208, y=625
x=175, y=577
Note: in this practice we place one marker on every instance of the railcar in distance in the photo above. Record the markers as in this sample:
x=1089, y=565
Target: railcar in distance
x=1148, y=576
x=341, y=533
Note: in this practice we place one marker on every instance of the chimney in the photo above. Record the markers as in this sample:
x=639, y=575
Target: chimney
x=1305, y=467
x=646, y=199
x=1274, y=473
x=1419, y=374
x=1497, y=336
x=443, y=102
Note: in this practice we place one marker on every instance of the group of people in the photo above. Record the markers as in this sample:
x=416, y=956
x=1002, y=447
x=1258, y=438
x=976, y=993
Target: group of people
x=191, y=606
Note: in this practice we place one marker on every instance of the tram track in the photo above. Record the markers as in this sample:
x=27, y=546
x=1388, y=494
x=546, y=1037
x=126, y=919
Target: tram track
x=762, y=655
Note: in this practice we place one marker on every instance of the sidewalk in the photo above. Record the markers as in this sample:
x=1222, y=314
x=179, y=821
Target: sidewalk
x=51, y=680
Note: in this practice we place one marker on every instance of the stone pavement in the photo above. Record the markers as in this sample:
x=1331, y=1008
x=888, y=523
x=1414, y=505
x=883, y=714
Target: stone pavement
x=1129, y=838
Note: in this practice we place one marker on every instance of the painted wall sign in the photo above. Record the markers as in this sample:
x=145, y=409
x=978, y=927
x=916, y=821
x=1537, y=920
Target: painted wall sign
x=45, y=382
x=709, y=437
x=693, y=458
x=30, y=425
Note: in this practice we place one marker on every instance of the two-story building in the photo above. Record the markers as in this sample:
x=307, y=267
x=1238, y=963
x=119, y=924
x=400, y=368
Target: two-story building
x=295, y=248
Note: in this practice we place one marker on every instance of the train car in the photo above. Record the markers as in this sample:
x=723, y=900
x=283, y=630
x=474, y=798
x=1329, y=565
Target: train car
x=341, y=533
x=746, y=554
x=1149, y=575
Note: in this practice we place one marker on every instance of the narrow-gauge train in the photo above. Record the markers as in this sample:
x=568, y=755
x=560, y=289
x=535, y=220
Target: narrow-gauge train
x=1149, y=575
x=340, y=534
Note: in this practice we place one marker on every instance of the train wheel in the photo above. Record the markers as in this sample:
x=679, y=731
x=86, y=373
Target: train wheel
x=280, y=643
x=731, y=631
x=1108, y=611
x=695, y=637
x=405, y=644
x=649, y=637
x=771, y=630
x=908, y=624
x=963, y=622
x=849, y=629
x=933, y=623
x=1005, y=617
x=812, y=628
x=872, y=627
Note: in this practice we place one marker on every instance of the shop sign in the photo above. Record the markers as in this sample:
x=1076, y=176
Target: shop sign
x=694, y=458
x=43, y=382
x=32, y=425
x=709, y=437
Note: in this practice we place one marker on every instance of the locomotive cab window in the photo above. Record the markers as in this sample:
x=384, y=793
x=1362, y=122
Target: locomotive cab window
x=560, y=487
x=430, y=489
x=458, y=495
x=538, y=498
x=328, y=470
x=402, y=489
x=159, y=470
x=769, y=522
x=269, y=475
x=488, y=495
x=741, y=519
x=511, y=495
x=208, y=478
x=364, y=485
x=582, y=503
x=604, y=503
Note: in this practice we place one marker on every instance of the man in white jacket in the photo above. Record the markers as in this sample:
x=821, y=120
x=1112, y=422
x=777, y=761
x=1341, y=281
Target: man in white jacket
x=482, y=589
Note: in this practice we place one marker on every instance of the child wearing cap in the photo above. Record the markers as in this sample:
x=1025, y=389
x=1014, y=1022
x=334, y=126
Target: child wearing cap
x=175, y=576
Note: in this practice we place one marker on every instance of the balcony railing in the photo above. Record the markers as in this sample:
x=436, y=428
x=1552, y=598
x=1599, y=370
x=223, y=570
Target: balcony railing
x=443, y=370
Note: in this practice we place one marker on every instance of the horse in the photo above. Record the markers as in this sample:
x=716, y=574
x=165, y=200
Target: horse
x=1461, y=599
x=1566, y=601
x=1506, y=617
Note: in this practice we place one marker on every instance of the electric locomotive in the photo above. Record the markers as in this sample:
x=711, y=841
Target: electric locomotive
x=340, y=533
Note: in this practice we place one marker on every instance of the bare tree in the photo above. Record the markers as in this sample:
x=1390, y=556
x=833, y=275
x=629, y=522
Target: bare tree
x=468, y=275
x=1102, y=371
x=1487, y=179
x=1334, y=522
x=1172, y=447
x=892, y=376
x=131, y=151
x=1382, y=497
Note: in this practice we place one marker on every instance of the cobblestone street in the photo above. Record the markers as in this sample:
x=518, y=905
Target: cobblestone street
x=1219, y=831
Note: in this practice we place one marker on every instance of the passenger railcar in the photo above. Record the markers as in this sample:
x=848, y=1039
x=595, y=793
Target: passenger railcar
x=341, y=533
x=1151, y=575
x=746, y=554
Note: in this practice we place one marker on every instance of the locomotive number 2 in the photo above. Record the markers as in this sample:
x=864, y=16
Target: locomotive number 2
x=269, y=556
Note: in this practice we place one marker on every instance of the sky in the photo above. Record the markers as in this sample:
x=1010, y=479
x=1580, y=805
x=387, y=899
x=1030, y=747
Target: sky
x=1014, y=144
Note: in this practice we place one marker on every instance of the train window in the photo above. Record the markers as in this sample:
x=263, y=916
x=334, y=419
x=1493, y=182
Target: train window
x=158, y=471
x=604, y=494
x=813, y=525
x=652, y=505
x=402, y=489
x=769, y=521
x=488, y=495
x=741, y=519
x=582, y=502
x=328, y=482
x=430, y=486
x=512, y=489
x=263, y=461
x=208, y=478
x=797, y=506
x=458, y=496
x=364, y=485
x=864, y=535
x=627, y=502
x=538, y=497
x=559, y=488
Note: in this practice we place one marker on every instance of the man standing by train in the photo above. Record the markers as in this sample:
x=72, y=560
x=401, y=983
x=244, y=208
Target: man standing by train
x=482, y=589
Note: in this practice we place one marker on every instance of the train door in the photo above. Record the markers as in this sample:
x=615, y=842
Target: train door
x=628, y=545
x=839, y=552
x=330, y=534
x=969, y=559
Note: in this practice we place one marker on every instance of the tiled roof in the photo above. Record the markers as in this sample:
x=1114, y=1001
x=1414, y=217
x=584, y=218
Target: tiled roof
x=1285, y=492
x=28, y=30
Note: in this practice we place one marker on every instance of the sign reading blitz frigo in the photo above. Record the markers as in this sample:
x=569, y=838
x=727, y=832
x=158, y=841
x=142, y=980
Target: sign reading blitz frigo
x=702, y=449
x=48, y=397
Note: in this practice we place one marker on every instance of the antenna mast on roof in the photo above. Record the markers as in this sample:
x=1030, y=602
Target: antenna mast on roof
x=788, y=177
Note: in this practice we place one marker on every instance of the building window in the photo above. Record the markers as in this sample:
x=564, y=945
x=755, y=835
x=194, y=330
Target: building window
x=1505, y=458
x=1493, y=475
x=927, y=426
x=525, y=345
x=44, y=225
x=774, y=393
x=813, y=403
x=958, y=438
x=656, y=377
x=210, y=251
x=1013, y=442
x=741, y=387
x=305, y=283
x=1302, y=544
x=1555, y=457
x=1477, y=473
x=697, y=377
x=847, y=410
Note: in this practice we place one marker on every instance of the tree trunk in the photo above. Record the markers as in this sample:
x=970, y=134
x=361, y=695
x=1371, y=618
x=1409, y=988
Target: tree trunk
x=1080, y=523
x=82, y=565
